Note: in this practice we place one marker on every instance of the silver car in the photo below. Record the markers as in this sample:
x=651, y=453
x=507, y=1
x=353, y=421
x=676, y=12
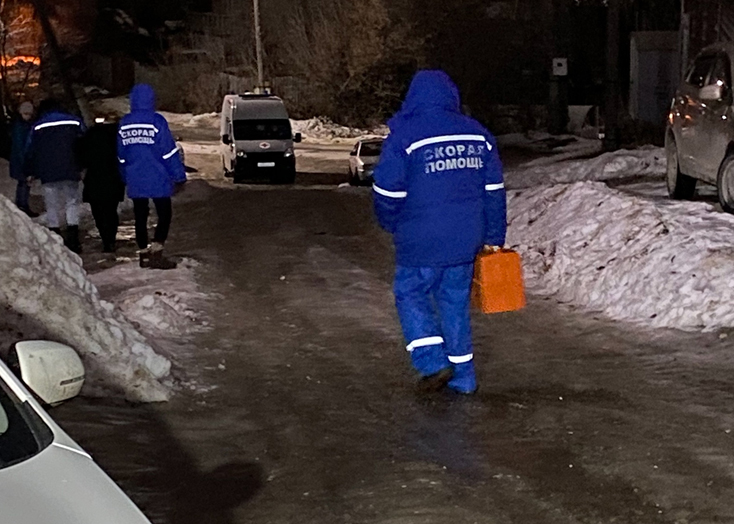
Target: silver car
x=45, y=477
x=699, y=140
x=363, y=159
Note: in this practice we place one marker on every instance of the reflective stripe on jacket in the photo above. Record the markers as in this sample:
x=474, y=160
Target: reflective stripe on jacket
x=438, y=186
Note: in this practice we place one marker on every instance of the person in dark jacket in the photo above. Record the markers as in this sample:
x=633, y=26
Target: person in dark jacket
x=19, y=132
x=151, y=167
x=439, y=190
x=103, y=186
x=51, y=158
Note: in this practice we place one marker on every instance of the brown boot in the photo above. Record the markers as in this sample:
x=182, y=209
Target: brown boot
x=158, y=260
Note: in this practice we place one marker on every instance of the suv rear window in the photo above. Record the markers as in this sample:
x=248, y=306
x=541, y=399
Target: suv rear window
x=371, y=149
x=22, y=433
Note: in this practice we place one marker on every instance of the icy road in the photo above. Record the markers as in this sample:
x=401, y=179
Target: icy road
x=305, y=410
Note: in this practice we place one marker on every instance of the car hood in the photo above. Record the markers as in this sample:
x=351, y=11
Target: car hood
x=64, y=486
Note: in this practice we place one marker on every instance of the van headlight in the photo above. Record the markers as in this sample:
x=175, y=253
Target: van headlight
x=241, y=154
x=288, y=153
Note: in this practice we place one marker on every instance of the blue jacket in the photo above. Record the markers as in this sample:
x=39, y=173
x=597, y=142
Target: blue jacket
x=150, y=163
x=438, y=186
x=52, y=146
x=19, y=133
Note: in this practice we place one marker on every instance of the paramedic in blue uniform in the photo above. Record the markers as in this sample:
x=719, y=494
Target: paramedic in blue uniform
x=151, y=167
x=439, y=190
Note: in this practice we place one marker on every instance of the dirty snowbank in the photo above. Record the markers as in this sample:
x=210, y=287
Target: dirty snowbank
x=665, y=264
x=322, y=128
x=646, y=162
x=43, y=281
x=159, y=303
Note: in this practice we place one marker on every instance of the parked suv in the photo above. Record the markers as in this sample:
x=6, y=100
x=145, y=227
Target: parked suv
x=699, y=140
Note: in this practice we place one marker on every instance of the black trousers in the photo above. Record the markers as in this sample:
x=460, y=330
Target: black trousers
x=164, y=211
x=106, y=219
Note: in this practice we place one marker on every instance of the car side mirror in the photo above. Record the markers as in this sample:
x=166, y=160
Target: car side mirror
x=353, y=153
x=298, y=138
x=226, y=140
x=53, y=371
x=711, y=93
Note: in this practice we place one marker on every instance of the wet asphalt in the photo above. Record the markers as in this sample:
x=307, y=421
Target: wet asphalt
x=306, y=409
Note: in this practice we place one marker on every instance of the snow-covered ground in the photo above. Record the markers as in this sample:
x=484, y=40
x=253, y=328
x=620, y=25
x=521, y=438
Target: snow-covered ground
x=623, y=164
x=318, y=129
x=648, y=261
x=44, y=282
x=158, y=303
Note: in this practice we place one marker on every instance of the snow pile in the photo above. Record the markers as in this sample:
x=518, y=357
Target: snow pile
x=665, y=264
x=45, y=282
x=648, y=162
x=159, y=303
x=322, y=128
x=206, y=120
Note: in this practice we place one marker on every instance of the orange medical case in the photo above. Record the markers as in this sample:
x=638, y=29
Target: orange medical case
x=498, y=284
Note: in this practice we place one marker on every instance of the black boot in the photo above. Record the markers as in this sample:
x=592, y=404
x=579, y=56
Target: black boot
x=72, y=239
x=109, y=246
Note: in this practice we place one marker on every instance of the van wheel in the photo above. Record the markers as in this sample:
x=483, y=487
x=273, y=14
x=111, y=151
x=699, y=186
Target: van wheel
x=725, y=184
x=680, y=186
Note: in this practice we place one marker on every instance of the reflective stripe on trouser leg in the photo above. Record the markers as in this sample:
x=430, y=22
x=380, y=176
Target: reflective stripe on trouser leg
x=453, y=297
x=419, y=318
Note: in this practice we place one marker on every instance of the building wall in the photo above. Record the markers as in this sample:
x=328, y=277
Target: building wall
x=705, y=22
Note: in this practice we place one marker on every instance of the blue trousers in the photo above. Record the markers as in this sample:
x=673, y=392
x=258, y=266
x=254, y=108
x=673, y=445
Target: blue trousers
x=433, y=305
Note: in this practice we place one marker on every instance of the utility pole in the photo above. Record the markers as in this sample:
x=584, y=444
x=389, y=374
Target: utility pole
x=259, y=46
x=611, y=103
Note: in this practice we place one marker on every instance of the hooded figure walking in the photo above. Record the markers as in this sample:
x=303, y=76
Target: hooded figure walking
x=439, y=190
x=151, y=168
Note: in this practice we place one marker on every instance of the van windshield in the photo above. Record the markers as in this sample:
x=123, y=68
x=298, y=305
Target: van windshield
x=262, y=130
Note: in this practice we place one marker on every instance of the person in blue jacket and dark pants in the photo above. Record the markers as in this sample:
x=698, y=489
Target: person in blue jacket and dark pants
x=151, y=167
x=439, y=190
x=51, y=157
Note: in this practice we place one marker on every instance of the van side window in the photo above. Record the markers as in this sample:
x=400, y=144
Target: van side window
x=701, y=69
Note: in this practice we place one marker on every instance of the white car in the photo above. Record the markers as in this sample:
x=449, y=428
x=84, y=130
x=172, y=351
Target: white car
x=45, y=477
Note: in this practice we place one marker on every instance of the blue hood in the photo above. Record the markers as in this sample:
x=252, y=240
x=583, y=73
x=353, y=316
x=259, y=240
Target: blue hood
x=430, y=89
x=142, y=98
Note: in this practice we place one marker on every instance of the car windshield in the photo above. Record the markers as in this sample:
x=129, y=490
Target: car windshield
x=22, y=433
x=371, y=149
x=262, y=130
